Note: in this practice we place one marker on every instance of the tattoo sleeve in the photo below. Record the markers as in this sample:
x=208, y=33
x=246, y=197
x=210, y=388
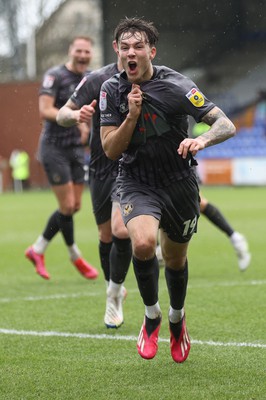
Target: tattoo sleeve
x=221, y=129
x=67, y=119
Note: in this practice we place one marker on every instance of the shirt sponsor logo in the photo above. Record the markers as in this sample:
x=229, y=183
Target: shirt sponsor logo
x=48, y=81
x=195, y=97
x=103, y=101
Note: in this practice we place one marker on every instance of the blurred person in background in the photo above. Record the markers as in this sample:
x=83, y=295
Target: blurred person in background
x=20, y=164
x=3, y=167
x=114, y=244
x=61, y=152
x=214, y=215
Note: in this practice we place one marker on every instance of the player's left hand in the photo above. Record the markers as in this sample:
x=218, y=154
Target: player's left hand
x=190, y=146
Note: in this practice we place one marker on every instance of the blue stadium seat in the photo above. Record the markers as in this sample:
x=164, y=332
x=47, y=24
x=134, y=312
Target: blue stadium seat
x=248, y=142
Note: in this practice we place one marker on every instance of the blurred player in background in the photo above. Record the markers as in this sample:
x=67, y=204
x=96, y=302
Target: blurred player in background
x=215, y=216
x=114, y=243
x=61, y=152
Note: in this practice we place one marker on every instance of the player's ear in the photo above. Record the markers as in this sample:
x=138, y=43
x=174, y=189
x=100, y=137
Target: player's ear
x=115, y=47
x=153, y=53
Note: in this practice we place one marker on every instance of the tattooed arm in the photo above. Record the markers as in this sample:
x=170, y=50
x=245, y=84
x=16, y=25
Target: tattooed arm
x=221, y=129
x=69, y=115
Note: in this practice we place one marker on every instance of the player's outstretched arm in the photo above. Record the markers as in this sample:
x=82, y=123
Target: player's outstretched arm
x=69, y=115
x=222, y=128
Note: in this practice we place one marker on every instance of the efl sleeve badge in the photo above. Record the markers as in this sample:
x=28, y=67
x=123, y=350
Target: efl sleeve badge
x=195, y=97
x=103, y=100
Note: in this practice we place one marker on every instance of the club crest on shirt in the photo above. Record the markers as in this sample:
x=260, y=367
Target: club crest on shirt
x=103, y=101
x=127, y=209
x=123, y=108
x=195, y=97
x=48, y=81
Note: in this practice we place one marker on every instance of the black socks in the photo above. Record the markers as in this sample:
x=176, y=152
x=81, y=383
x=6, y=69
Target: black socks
x=52, y=226
x=120, y=257
x=216, y=217
x=60, y=222
x=147, y=275
x=104, y=251
x=177, y=286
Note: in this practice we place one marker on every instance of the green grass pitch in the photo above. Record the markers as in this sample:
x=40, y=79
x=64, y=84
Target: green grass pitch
x=54, y=345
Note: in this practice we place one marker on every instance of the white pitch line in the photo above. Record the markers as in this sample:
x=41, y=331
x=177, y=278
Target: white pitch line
x=227, y=284
x=125, y=338
x=92, y=294
x=49, y=297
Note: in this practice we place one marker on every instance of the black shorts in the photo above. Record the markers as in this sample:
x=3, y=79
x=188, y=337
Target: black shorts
x=176, y=206
x=103, y=194
x=197, y=175
x=62, y=164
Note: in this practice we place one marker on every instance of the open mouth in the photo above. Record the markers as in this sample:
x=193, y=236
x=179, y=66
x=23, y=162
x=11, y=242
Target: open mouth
x=82, y=62
x=132, y=66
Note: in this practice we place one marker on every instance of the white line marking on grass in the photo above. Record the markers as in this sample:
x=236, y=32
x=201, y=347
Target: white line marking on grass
x=226, y=284
x=120, y=337
x=50, y=297
x=92, y=294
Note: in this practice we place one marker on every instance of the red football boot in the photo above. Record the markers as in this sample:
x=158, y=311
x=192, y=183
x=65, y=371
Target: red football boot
x=38, y=262
x=180, y=348
x=147, y=345
x=87, y=270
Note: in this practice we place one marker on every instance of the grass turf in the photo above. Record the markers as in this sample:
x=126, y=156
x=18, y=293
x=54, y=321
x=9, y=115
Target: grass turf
x=53, y=343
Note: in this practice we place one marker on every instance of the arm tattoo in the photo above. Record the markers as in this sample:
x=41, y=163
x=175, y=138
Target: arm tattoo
x=65, y=116
x=67, y=119
x=221, y=129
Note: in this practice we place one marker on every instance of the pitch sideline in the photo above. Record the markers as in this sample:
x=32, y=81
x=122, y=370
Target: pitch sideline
x=92, y=294
x=121, y=337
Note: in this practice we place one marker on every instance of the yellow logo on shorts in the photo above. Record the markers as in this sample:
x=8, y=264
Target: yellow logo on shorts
x=127, y=209
x=195, y=97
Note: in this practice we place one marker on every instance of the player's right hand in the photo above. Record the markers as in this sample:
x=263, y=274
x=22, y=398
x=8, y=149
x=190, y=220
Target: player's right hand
x=86, y=112
x=135, y=101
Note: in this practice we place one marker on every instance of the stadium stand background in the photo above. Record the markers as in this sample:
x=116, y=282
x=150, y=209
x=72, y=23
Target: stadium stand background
x=220, y=45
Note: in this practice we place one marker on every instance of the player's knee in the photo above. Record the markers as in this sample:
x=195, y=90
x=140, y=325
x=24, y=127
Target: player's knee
x=144, y=248
x=175, y=262
x=119, y=230
x=105, y=236
x=68, y=209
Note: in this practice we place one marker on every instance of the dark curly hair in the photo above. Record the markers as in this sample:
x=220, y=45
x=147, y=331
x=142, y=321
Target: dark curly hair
x=135, y=24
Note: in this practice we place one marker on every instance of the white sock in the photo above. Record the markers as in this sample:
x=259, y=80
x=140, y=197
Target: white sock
x=154, y=311
x=74, y=252
x=114, y=289
x=175, y=315
x=40, y=245
x=234, y=235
